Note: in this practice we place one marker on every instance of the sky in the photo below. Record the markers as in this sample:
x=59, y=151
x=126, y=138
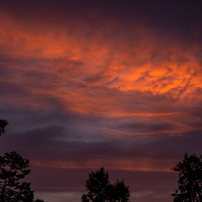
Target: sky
x=86, y=84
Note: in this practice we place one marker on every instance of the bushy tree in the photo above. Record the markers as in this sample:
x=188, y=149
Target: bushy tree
x=13, y=168
x=121, y=191
x=190, y=179
x=100, y=189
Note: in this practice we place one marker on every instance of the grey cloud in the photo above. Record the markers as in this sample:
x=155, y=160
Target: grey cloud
x=49, y=144
x=147, y=127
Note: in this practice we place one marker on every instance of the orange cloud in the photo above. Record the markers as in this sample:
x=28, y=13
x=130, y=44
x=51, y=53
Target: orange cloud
x=115, y=63
x=85, y=73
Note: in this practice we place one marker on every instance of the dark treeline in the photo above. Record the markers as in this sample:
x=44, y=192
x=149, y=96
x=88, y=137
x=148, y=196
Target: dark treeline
x=14, y=168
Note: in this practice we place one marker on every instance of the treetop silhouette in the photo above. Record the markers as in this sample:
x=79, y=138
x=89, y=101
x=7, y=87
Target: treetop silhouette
x=13, y=168
x=190, y=179
x=100, y=189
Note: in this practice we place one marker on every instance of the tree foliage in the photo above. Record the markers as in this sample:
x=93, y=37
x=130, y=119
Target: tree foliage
x=190, y=179
x=100, y=189
x=3, y=124
x=13, y=168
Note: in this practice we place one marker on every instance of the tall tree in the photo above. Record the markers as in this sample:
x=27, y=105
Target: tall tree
x=13, y=169
x=100, y=189
x=190, y=179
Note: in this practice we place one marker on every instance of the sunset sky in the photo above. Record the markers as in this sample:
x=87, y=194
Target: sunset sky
x=113, y=83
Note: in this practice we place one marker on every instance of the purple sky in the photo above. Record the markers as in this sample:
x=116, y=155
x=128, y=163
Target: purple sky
x=86, y=84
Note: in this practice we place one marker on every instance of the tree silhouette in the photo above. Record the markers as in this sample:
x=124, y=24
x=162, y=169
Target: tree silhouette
x=3, y=124
x=190, y=179
x=13, y=169
x=121, y=192
x=100, y=189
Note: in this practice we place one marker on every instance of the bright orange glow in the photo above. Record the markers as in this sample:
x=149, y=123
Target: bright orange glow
x=97, y=75
x=103, y=63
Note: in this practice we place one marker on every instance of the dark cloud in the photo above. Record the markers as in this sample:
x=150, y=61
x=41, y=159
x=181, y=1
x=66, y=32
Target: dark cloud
x=49, y=144
x=143, y=127
x=168, y=17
